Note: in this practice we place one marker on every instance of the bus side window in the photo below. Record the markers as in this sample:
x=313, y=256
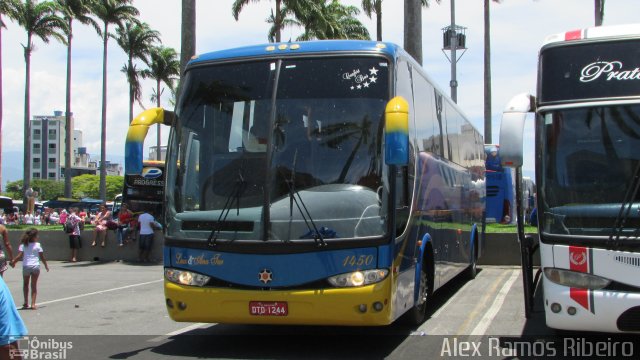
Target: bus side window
x=404, y=176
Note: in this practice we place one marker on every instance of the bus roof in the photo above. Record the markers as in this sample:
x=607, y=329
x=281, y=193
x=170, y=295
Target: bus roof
x=299, y=47
x=598, y=32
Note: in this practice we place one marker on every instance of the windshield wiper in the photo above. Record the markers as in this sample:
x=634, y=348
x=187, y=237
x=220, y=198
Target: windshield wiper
x=294, y=197
x=234, y=195
x=625, y=208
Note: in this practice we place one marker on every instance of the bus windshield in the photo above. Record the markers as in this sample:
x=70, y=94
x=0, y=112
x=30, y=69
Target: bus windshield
x=287, y=144
x=590, y=158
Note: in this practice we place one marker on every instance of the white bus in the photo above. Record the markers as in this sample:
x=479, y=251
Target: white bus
x=587, y=125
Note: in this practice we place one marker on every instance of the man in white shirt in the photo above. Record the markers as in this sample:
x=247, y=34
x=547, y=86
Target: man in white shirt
x=147, y=226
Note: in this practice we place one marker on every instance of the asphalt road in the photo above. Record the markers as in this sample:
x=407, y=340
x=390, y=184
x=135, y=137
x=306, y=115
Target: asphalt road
x=116, y=310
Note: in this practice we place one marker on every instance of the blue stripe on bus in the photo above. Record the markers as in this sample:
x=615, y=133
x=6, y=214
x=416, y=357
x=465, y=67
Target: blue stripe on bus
x=286, y=269
x=309, y=47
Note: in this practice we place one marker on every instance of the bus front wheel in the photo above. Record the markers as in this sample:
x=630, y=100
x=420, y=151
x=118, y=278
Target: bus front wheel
x=418, y=313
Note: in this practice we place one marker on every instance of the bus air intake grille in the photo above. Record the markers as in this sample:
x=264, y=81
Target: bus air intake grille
x=246, y=226
x=493, y=191
x=628, y=260
x=629, y=320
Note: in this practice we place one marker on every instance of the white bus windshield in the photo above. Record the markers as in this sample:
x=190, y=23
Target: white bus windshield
x=278, y=143
x=590, y=158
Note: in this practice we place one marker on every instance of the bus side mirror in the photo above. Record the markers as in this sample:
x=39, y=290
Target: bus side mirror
x=133, y=147
x=396, y=132
x=512, y=129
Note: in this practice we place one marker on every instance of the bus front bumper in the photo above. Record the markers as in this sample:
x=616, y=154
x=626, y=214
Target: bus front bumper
x=362, y=306
x=590, y=310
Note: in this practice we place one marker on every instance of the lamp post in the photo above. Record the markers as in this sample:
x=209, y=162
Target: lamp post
x=454, y=37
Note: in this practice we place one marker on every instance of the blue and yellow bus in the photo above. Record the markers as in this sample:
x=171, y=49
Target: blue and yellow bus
x=325, y=183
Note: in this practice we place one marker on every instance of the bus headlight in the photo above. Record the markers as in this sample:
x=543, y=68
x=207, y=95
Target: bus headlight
x=358, y=278
x=576, y=279
x=184, y=277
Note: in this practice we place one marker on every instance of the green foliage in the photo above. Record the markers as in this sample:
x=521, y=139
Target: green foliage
x=89, y=186
x=47, y=189
x=83, y=186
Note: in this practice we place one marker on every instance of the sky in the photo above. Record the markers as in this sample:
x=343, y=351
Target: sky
x=518, y=28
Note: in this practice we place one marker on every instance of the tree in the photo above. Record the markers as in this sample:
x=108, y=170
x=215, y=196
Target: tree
x=39, y=20
x=136, y=39
x=109, y=12
x=9, y=8
x=78, y=10
x=163, y=68
x=599, y=11
x=237, y=6
x=188, y=33
x=332, y=20
x=413, y=27
x=47, y=189
x=374, y=6
x=88, y=186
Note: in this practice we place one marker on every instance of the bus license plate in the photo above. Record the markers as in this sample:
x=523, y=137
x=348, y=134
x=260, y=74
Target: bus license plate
x=271, y=308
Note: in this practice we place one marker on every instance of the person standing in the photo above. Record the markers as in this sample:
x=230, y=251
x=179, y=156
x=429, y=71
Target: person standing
x=31, y=253
x=6, y=252
x=31, y=200
x=12, y=327
x=75, y=242
x=147, y=224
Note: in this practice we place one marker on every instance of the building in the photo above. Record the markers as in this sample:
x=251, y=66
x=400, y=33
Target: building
x=47, y=146
x=48, y=149
x=153, y=151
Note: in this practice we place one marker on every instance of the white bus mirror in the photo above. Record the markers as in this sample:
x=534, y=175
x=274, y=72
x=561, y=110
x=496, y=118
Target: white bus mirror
x=512, y=129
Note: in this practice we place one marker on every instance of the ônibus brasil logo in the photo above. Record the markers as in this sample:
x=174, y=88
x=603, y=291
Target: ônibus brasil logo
x=151, y=173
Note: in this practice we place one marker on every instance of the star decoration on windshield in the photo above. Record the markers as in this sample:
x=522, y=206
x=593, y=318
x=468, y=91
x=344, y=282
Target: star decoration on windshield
x=265, y=276
x=373, y=71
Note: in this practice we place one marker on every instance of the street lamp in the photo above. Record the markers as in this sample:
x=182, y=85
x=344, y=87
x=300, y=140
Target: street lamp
x=454, y=37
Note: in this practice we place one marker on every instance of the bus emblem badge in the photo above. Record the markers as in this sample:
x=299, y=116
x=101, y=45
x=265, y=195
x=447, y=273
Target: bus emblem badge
x=265, y=276
x=151, y=173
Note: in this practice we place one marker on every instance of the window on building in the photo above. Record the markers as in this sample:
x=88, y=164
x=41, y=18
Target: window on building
x=52, y=175
x=36, y=146
x=35, y=175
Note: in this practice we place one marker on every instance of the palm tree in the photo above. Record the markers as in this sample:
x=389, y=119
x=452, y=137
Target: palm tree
x=188, y=36
x=330, y=21
x=136, y=39
x=40, y=20
x=374, y=6
x=109, y=12
x=599, y=11
x=413, y=27
x=278, y=17
x=78, y=10
x=163, y=68
x=9, y=8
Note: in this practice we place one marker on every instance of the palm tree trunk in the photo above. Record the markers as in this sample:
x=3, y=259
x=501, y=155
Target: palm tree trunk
x=68, y=125
x=413, y=29
x=487, y=73
x=103, y=137
x=278, y=21
x=379, y=20
x=188, y=37
x=1, y=106
x=158, y=152
x=599, y=12
x=26, y=174
x=130, y=75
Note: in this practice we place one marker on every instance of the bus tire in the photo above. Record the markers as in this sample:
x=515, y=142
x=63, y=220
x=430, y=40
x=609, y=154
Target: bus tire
x=418, y=313
x=472, y=270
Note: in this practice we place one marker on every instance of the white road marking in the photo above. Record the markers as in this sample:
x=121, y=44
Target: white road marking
x=178, y=332
x=97, y=292
x=491, y=313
